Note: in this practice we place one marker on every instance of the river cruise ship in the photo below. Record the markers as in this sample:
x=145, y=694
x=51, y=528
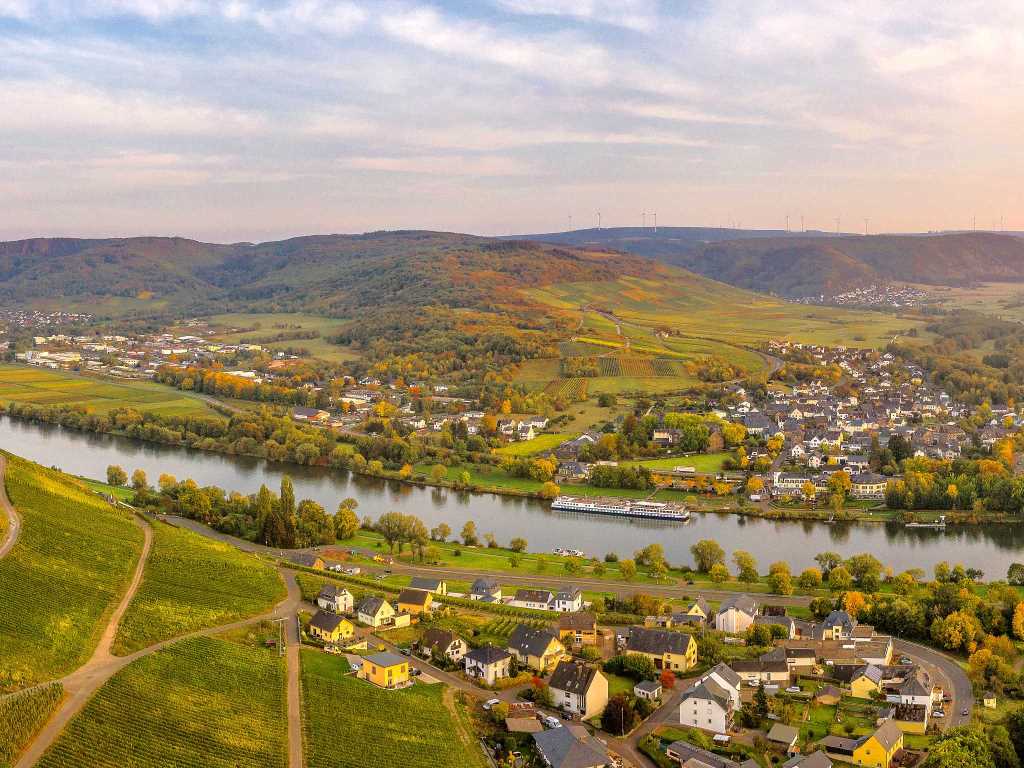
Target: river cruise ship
x=598, y=505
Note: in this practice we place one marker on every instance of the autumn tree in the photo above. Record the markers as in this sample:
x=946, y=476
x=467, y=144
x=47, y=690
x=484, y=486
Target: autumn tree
x=469, y=535
x=707, y=553
x=346, y=522
x=139, y=481
x=746, y=566
x=116, y=475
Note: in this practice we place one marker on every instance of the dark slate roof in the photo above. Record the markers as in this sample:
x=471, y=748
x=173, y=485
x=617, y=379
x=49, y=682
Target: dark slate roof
x=709, y=690
x=840, y=619
x=533, y=595
x=488, y=654
x=414, y=596
x=687, y=751
x=783, y=734
x=814, y=760
x=331, y=591
x=530, y=641
x=657, y=641
x=725, y=672
x=568, y=593
x=577, y=620
x=561, y=748
x=430, y=585
x=572, y=677
x=483, y=586
x=371, y=605
x=438, y=638
x=326, y=621
x=744, y=603
x=386, y=659
x=304, y=558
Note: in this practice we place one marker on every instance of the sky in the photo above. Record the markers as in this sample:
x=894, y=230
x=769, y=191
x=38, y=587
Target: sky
x=244, y=120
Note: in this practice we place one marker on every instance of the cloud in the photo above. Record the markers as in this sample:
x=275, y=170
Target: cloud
x=638, y=15
x=442, y=165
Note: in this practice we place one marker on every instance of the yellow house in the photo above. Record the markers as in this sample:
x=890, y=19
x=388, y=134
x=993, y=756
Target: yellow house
x=911, y=718
x=330, y=627
x=877, y=750
x=699, y=607
x=537, y=649
x=378, y=613
x=414, y=601
x=676, y=651
x=577, y=628
x=386, y=670
x=866, y=681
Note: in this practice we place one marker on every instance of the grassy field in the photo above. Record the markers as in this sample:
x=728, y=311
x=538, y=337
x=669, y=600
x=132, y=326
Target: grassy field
x=271, y=324
x=349, y=723
x=191, y=582
x=202, y=703
x=39, y=386
x=701, y=308
x=22, y=714
x=1002, y=300
x=702, y=462
x=72, y=562
x=539, y=444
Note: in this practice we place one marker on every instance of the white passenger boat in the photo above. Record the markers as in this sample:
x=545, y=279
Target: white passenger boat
x=600, y=505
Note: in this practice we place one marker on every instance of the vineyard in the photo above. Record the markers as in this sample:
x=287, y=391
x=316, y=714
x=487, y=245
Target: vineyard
x=191, y=582
x=201, y=703
x=349, y=723
x=573, y=390
x=73, y=560
x=22, y=714
x=497, y=632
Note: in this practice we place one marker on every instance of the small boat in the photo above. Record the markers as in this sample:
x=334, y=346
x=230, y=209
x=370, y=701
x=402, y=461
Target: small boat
x=940, y=523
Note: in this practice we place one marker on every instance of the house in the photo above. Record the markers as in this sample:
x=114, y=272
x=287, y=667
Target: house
x=577, y=628
x=647, y=689
x=573, y=471
x=868, y=485
x=668, y=650
x=760, y=671
x=866, y=681
x=690, y=755
x=378, y=613
x=578, y=688
x=814, y=760
x=724, y=675
x=698, y=607
x=915, y=689
x=307, y=560
x=385, y=670
x=786, y=622
x=537, y=599
x=736, y=614
x=437, y=586
x=783, y=737
x=310, y=414
x=570, y=747
x=334, y=598
x=486, y=590
x=415, y=601
x=876, y=750
x=910, y=718
x=568, y=599
x=989, y=700
x=838, y=625
x=487, y=663
x=330, y=627
x=535, y=648
x=443, y=644
x=707, y=705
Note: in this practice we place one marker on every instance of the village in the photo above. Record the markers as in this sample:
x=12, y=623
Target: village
x=806, y=692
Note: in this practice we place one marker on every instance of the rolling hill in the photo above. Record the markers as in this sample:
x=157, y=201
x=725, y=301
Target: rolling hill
x=813, y=263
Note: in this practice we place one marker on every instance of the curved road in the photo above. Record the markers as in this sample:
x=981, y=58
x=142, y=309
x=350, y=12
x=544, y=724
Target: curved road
x=13, y=518
x=945, y=669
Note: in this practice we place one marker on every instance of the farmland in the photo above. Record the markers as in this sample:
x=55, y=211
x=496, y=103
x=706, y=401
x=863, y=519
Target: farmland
x=701, y=462
x=191, y=582
x=412, y=727
x=39, y=386
x=24, y=713
x=265, y=325
x=72, y=561
x=202, y=702
x=539, y=444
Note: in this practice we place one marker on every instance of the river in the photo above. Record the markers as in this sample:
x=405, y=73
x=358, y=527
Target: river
x=991, y=548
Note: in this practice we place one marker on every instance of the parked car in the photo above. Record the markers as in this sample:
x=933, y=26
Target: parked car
x=965, y=712
x=490, y=703
x=793, y=689
x=938, y=713
x=552, y=722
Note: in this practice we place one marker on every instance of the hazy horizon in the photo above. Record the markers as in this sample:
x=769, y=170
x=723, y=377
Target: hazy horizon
x=249, y=120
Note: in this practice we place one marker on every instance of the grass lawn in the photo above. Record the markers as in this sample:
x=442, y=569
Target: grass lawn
x=619, y=684
x=349, y=723
x=71, y=564
x=119, y=492
x=191, y=582
x=539, y=444
x=44, y=387
x=702, y=462
x=201, y=703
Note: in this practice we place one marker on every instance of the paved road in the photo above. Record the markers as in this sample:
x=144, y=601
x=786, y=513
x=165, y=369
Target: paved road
x=948, y=673
x=13, y=518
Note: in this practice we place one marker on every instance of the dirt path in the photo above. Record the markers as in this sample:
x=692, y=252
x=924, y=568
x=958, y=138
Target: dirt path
x=13, y=518
x=80, y=685
x=292, y=657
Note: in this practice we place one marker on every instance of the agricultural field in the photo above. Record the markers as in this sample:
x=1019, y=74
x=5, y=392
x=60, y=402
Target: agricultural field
x=1002, y=300
x=40, y=386
x=539, y=444
x=702, y=462
x=22, y=714
x=572, y=390
x=201, y=703
x=697, y=307
x=191, y=582
x=71, y=564
x=272, y=324
x=349, y=723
